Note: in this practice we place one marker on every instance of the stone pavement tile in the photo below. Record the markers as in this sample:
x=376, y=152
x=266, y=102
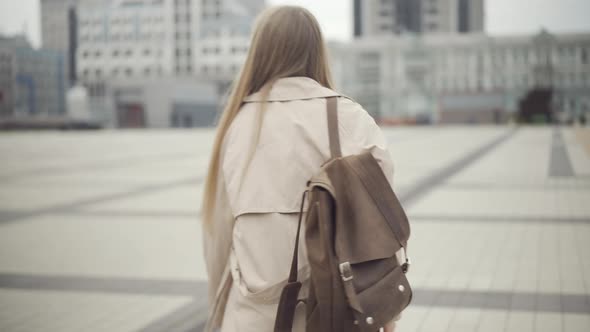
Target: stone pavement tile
x=519, y=321
x=184, y=199
x=548, y=322
x=529, y=167
x=32, y=311
x=412, y=319
x=437, y=319
x=26, y=199
x=128, y=247
x=465, y=320
x=576, y=322
x=492, y=321
x=126, y=175
x=503, y=202
x=442, y=146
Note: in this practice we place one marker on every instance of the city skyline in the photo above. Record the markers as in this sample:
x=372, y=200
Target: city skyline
x=503, y=17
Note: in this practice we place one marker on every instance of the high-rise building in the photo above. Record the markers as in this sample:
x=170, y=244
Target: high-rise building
x=58, y=32
x=394, y=17
x=126, y=48
x=31, y=80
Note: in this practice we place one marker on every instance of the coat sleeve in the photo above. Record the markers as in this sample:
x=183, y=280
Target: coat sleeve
x=359, y=133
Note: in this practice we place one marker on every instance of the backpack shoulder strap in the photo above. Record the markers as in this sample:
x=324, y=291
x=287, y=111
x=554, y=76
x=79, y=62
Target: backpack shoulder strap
x=332, y=111
x=288, y=300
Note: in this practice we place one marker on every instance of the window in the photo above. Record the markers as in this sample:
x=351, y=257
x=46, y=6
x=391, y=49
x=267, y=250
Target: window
x=98, y=72
x=147, y=71
x=146, y=52
x=115, y=53
x=128, y=71
x=128, y=53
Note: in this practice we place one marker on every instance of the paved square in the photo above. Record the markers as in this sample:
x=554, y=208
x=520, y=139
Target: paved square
x=99, y=231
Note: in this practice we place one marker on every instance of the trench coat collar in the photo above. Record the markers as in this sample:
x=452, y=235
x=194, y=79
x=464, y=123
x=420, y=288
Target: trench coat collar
x=294, y=88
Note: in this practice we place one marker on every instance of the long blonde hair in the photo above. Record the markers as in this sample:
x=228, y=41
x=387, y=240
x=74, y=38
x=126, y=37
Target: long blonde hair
x=287, y=41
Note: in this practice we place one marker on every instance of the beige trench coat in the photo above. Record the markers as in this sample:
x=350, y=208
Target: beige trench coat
x=249, y=250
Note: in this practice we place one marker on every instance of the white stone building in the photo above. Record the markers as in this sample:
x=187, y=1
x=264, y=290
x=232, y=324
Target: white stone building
x=139, y=42
x=429, y=77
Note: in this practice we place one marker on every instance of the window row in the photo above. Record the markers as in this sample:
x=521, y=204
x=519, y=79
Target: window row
x=121, y=53
x=120, y=21
x=121, y=37
x=115, y=72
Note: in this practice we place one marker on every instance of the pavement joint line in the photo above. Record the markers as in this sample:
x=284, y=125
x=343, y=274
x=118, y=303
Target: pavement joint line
x=485, y=299
x=99, y=284
x=560, y=164
x=517, y=186
x=439, y=177
x=60, y=208
x=97, y=165
x=497, y=218
x=503, y=300
x=8, y=214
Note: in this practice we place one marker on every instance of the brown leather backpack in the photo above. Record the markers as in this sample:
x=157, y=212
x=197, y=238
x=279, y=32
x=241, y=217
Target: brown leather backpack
x=354, y=226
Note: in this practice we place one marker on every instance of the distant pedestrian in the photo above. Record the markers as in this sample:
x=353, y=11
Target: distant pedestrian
x=271, y=138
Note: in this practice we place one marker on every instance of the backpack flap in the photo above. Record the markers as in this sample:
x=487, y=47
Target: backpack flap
x=370, y=227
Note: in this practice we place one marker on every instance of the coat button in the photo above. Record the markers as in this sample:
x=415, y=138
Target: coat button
x=401, y=288
x=370, y=320
x=356, y=322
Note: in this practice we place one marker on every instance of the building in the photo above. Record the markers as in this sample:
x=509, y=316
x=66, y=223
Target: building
x=395, y=17
x=224, y=37
x=437, y=78
x=32, y=85
x=58, y=32
x=146, y=42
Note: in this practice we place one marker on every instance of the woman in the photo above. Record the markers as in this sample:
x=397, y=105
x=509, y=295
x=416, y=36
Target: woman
x=272, y=137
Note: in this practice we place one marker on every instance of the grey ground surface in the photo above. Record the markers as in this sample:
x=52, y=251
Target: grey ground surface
x=99, y=231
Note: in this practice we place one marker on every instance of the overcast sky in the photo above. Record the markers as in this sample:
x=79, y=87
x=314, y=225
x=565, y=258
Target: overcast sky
x=502, y=16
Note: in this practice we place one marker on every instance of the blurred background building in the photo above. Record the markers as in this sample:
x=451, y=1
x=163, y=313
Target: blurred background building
x=32, y=82
x=430, y=61
x=131, y=48
x=467, y=78
x=395, y=17
x=168, y=63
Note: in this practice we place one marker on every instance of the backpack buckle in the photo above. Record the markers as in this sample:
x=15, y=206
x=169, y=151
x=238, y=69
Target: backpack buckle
x=345, y=271
x=406, y=265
